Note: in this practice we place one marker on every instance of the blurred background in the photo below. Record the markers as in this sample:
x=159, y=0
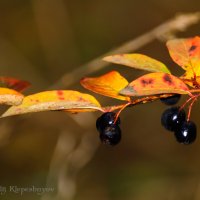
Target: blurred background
x=40, y=41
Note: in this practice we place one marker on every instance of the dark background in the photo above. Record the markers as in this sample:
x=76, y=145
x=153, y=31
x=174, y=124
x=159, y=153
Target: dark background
x=40, y=41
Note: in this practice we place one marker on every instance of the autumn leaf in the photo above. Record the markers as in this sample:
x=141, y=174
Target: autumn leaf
x=189, y=80
x=70, y=100
x=155, y=83
x=10, y=97
x=12, y=83
x=138, y=61
x=108, y=84
x=186, y=53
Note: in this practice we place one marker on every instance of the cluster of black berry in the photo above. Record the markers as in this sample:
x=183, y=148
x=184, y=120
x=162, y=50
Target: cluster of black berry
x=174, y=119
x=110, y=132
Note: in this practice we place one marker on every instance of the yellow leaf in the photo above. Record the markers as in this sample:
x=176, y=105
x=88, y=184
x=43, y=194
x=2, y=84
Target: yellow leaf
x=10, y=97
x=138, y=61
x=73, y=101
x=13, y=83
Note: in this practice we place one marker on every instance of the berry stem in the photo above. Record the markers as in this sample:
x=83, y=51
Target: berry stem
x=190, y=109
x=188, y=100
x=118, y=113
x=112, y=108
x=190, y=106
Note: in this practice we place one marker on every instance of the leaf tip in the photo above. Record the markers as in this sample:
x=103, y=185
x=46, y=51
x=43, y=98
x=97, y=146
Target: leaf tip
x=106, y=58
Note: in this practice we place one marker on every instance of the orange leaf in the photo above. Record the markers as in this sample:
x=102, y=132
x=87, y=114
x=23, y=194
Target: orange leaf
x=155, y=83
x=55, y=100
x=10, y=97
x=108, y=85
x=13, y=83
x=138, y=61
x=186, y=53
x=189, y=80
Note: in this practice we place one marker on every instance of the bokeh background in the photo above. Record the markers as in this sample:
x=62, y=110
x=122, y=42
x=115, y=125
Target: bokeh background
x=40, y=41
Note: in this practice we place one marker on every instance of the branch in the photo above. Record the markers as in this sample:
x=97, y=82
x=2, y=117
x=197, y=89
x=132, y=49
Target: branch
x=163, y=31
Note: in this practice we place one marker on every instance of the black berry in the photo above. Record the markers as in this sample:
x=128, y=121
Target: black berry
x=98, y=124
x=186, y=133
x=105, y=120
x=111, y=135
x=171, y=100
x=172, y=118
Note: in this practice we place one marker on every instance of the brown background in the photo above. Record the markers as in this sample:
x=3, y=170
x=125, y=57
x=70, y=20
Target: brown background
x=40, y=40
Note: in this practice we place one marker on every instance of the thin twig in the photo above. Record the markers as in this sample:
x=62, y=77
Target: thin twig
x=176, y=24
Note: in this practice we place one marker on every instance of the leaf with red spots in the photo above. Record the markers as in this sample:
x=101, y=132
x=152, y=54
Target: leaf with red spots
x=68, y=100
x=186, y=53
x=138, y=61
x=108, y=84
x=10, y=97
x=12, y=83
x=155, y=83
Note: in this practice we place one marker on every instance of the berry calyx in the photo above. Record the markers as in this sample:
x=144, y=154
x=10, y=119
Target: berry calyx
x=111, y=135
x=105, y=120
x=186, y=133
x=172, y=118
x=172, y=100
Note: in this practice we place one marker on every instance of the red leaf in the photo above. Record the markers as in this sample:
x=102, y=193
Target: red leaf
x=13, y=83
